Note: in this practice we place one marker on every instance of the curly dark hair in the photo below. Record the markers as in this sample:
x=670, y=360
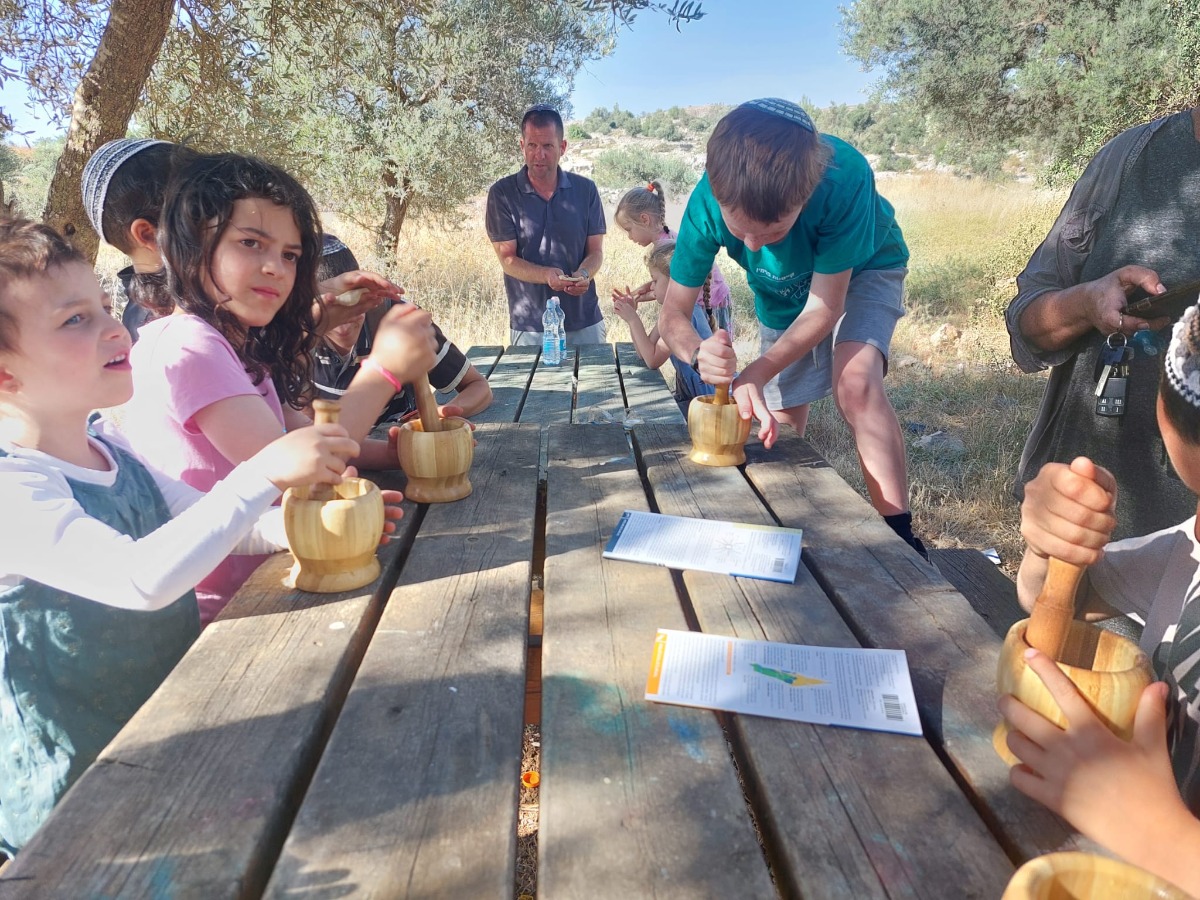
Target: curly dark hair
x=196, y=212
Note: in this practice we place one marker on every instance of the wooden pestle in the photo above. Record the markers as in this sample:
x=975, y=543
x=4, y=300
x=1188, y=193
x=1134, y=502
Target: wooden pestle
x=722, y=396
x=426, y=405
x=325, y=412
x=1054, y=609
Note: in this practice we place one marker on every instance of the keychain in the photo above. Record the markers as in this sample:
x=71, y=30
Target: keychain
x=1112, y=383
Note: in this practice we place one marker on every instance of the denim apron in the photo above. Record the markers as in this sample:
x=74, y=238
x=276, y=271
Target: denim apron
x=74, y=671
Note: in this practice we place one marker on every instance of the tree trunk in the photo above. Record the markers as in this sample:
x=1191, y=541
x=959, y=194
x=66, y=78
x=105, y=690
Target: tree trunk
x=397, y=195
x=104, y=103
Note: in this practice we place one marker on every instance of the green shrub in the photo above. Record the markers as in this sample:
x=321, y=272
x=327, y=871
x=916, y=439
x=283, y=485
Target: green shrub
x=891, y=162
x=622, y=168
x=577, y=132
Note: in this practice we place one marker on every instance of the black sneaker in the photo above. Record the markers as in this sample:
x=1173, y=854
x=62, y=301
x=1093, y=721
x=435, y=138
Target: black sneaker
x=917, y=545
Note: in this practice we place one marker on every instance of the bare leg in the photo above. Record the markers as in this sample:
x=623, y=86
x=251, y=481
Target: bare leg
x=861, y=399
x=796, y=416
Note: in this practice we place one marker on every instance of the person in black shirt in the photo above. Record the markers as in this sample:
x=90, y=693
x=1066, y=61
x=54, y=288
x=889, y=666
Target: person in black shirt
x=336, y=357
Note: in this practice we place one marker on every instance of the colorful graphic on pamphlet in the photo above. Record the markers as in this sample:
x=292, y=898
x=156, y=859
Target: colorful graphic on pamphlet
x=795, y=679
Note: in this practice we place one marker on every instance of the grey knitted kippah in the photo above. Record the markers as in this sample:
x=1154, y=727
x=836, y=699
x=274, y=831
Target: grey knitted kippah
x=99, y=172
x=784, y=109
x=1183, y=357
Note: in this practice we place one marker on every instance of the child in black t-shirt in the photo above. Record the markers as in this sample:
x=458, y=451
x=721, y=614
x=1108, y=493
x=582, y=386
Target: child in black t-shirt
x=335, y=359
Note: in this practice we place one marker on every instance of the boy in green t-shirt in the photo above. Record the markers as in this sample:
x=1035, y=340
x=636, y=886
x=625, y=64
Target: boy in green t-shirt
x=826, y=260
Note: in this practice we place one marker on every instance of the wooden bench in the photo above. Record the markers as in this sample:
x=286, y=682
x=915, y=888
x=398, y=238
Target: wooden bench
x=990, y=592
x=993, y=594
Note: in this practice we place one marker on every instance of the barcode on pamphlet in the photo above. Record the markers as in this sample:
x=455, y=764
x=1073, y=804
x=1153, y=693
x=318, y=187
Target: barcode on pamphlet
x=892, y=708
x=777, y=565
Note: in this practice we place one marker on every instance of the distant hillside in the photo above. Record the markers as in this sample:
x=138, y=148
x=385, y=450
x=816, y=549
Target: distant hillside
x=618, y=148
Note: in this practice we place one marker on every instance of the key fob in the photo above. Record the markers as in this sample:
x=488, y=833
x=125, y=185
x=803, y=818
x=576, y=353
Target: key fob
x=1111, y=401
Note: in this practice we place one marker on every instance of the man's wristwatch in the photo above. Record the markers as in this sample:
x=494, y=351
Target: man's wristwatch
x=583, y=273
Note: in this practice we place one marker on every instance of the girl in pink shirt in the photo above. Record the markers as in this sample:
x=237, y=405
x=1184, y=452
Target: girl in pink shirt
x=642, y=215
x=226, y=368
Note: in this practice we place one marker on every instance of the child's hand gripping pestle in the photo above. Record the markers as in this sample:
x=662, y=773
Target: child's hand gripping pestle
x=325, y=412
x=431, y=421
x=1054, y=609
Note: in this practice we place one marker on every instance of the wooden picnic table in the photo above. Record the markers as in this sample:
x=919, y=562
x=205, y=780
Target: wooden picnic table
x=369, y=743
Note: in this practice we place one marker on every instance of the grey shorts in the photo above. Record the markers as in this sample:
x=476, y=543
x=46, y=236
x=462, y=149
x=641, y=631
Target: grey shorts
x=593, y=334
x=874, y=303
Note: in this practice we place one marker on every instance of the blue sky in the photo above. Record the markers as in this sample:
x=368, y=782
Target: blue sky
x=741, y=49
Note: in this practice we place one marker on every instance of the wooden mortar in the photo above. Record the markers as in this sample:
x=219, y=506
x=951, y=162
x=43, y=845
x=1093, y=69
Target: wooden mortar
x=1110, y=671
x=435, y=453
x=333, y=529
x=718, y=433
x=1085, y=876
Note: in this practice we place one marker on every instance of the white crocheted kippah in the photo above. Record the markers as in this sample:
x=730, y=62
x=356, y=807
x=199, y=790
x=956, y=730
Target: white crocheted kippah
x=784, y=109
x=1183, y=357
x=100, y=170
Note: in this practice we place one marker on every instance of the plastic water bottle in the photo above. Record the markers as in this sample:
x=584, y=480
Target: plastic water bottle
x=562, y=328
x=551, y=350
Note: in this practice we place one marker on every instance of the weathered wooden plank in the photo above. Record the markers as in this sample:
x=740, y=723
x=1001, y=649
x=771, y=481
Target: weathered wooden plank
x=482, y=358
x=416, y=794
x=637, y=799
x=195, y=795
x=844, y=812
x=509, y=381
x=549, y=397
x=646, y=393
x=990, y=592
x=598, y=391
x=892, y=598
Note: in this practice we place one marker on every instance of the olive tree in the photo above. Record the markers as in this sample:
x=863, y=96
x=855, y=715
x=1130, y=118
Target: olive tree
x=91, y=59
x=1058, y=78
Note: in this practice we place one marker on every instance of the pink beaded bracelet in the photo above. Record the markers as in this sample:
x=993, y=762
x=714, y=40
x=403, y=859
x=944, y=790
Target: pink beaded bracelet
x=395, y=382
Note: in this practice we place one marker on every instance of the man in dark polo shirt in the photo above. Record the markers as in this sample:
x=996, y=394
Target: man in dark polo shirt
x=547, y=227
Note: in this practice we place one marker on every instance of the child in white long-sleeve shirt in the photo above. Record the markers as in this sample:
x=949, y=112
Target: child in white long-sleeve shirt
x=98, y=552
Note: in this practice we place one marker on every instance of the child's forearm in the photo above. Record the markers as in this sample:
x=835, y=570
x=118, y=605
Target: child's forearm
x=652, y=350
x=58, y=544
x=376, y=455
x=1166, y=844
x=1030, y=577
x=808, y=330
x=473, y=397
x=363, y=401
x=267, y=536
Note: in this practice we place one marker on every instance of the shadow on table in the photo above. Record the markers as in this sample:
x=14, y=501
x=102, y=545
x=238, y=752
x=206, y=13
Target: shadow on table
x=205, y=813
